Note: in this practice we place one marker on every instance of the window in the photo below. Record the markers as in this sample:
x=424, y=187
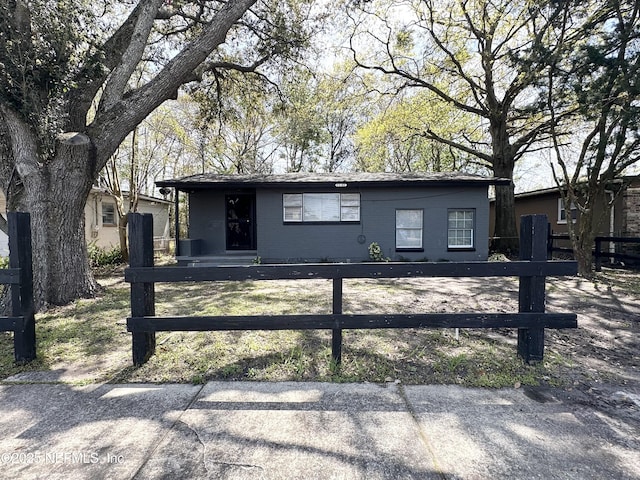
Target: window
x=562, y=213
x=108, y=214
x=350, y=207
x=460, y=229
x=408, y=229
x=321, y=207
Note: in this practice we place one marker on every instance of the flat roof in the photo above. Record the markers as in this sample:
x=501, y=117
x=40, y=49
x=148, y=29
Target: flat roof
x=324, y=180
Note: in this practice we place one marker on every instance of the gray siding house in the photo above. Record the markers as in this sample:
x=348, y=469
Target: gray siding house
x=311, y=217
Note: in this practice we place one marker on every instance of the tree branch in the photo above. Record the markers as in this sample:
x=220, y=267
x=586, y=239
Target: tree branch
x=111, y=126
x=121, y=74
x=430, y=134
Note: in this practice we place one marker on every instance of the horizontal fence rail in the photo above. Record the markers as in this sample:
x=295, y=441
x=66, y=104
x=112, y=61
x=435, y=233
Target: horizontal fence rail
x=175, y=274
x=351, y=321
x=10, y=276
x=19, y=278
x=531, y=320
x=598, y=252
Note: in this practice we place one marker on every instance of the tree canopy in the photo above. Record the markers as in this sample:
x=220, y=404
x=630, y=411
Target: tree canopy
x=78, y=77
x=425, y=85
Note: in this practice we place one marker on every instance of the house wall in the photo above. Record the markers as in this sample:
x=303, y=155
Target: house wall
x=106, y=236
x=280, y=242
x=631, y=212
x=546, y=203
x=207, y=221
x=103, y=235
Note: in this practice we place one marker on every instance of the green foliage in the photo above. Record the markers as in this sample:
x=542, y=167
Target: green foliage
x=43, y=45
x=375, y=253
x=395, y=139
x=102, y=257
x=4, y=262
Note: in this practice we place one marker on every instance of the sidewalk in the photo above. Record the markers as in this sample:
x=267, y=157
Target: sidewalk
x=245, y=430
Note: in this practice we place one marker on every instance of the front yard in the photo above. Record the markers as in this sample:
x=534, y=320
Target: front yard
x=88, y=342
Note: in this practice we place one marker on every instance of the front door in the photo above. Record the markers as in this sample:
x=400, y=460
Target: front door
x=241, y=224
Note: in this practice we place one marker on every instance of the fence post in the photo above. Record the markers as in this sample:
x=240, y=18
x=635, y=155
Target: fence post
x=20, y=256
x=142, y=294
x=336, y=333
x=533, y=246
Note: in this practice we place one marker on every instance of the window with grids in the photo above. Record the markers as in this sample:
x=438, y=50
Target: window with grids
x=321, y=207
x=409, y=229
x=562, y=212
x=108, y=214
x=461, y=228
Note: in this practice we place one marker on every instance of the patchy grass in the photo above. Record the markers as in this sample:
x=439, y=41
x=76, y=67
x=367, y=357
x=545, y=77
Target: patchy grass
x=92, y=333
x=622, y=280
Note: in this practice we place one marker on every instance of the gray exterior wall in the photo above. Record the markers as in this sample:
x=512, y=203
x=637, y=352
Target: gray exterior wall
x=279, y=242
x=207, y=221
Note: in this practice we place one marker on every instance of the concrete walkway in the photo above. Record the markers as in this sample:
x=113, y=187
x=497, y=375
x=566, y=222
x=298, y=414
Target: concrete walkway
x=245, y=430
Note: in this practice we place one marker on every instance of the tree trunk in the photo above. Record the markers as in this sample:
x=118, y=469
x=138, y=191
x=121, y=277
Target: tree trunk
x=123, y=237
x=51, y=177
x=583, y=241
x=505, y=236
x=55, y=194
x=583, y=232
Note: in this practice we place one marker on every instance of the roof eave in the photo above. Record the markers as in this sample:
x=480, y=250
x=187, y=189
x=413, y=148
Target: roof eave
x=198, y=185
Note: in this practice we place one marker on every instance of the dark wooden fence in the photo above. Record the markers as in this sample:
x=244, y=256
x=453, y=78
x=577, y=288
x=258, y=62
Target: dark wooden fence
x=19, y=277
x=599, y=253
x=530, y=321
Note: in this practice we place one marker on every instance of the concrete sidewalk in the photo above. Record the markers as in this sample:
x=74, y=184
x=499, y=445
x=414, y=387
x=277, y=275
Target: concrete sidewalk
x=245, y=430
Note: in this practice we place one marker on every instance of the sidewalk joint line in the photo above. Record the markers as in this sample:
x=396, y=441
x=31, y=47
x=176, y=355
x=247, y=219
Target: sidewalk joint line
x=423, y=435
x=161, y=438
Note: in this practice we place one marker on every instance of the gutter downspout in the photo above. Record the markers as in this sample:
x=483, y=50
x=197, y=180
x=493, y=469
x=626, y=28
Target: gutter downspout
x=612, y=224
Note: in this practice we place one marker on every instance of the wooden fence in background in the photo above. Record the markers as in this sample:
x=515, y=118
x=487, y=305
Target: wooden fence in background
x=600, y=252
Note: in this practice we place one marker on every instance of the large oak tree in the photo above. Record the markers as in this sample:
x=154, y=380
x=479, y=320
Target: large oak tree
x=484, y=58
x=67, y=99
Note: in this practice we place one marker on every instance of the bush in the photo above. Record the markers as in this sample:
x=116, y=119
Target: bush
x=375, y=253
x=4, y=262
x=101, y=257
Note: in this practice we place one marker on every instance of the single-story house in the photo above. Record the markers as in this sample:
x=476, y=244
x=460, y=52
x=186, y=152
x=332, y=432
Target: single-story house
x=312, y=217
x=101, y=219
x=622, y=220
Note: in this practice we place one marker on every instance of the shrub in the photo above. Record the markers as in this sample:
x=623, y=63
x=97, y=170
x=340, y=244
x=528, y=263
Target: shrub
x=100, y=256
x=375, y=253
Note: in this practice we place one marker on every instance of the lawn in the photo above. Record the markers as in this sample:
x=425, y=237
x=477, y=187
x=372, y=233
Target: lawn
x=87, y=341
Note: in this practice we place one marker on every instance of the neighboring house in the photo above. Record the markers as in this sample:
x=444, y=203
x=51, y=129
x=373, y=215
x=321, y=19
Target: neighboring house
x=101, y=219
x=310, y=217
x=622, y=220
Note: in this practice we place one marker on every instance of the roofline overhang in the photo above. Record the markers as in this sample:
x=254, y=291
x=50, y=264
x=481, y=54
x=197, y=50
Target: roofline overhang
x=230, y=184
x=141, y=196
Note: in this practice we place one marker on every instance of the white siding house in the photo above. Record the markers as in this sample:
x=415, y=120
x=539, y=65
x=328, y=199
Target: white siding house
x=101, y=219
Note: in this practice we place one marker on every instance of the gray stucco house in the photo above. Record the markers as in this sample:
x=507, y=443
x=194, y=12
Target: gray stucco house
x=311, y=217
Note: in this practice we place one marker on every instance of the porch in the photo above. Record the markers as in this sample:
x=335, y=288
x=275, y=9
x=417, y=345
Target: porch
x=247, y=257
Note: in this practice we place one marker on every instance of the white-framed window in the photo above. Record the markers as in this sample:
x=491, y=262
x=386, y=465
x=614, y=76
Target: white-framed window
x=409, y=226
x=562, y=213
x=321, y=207
x=108, y=214
x=460, y=229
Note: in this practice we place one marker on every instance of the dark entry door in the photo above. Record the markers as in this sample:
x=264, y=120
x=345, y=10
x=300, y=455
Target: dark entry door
x=241, y=222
